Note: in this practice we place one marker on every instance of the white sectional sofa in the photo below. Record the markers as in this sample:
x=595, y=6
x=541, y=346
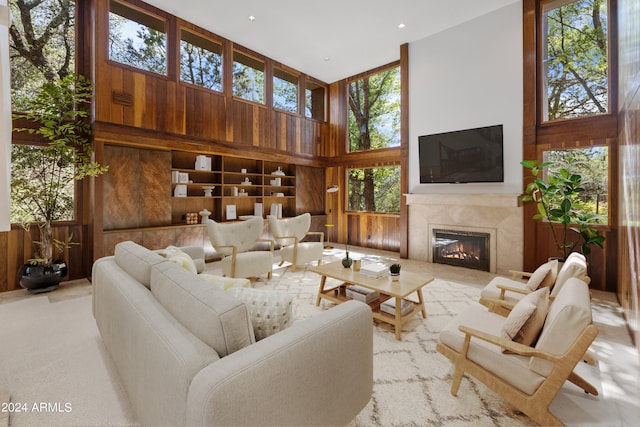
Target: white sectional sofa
x=186, y=352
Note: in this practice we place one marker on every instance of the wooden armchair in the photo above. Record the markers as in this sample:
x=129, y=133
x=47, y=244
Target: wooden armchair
x=514, y=289
x=234, y=241
x=527, y=377
x=289, y=233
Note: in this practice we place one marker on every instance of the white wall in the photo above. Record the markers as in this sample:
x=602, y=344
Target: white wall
x=465, y=77
x=5, y=118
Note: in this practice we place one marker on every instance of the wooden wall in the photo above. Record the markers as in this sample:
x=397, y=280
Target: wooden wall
x=629, y=163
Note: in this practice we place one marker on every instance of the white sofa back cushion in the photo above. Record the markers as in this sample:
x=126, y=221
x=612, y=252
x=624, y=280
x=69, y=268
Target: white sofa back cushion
x=218, y=319
x=568, y=315
x=137, y=261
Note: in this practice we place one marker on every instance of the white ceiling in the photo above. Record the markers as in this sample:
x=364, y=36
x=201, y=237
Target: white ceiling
x=329, y=39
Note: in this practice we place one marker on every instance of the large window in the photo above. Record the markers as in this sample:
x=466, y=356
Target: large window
x=374, y=111
x=248, y=78
x=137, y=39
x=374, y=189
x=314, y=95
x=575, y=59
x=285, y=91
x=592, y=164
x=42, y=49
x=200, y=61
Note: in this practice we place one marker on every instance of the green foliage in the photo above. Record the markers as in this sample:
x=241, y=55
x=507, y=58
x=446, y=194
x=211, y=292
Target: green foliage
x=42, y=176
x=385, y=187
x=41, y=46
x=395, y=268
x=556, y=203
x=577, y=61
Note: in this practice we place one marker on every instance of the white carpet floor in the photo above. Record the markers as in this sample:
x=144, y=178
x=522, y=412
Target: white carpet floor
x=58, y=373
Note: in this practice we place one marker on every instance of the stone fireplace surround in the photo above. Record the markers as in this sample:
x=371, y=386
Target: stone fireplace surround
x=500, y=215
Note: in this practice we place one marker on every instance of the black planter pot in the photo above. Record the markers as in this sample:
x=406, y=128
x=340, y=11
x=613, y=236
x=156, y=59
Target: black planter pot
x=42, y=278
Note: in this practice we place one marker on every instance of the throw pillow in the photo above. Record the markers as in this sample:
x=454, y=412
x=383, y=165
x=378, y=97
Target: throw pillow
x=270, y=311
x=177, y=256
x=524, y=323
x=537, y=277
x=225, y=283
x=549, y=273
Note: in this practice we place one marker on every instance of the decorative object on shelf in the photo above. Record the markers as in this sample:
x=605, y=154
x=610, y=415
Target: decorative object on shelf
x=243, y=170
x=58, y=117
x=175, y=176
x=394, y=271
x=208, y=190
x=279, y=194
x=231, y=212
x=183, y=177
x=180, y=191
x=235, y=191
x=192, y=218
x=204, y=213
x=257, y=209
x=246, y=181
x=203, y=163
x=279, y=171
x=557, y=203
x=243, y=193
x=277, y=182
x=276, y=210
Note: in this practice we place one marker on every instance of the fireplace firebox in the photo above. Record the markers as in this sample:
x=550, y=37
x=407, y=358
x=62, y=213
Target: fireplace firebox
x=461, y=248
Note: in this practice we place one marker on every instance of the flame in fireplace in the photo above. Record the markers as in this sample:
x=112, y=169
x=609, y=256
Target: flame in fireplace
x=453, y=249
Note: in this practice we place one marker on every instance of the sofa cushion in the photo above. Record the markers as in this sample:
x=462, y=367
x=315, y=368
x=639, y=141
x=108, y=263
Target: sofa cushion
x=180, y=258
x=224, y=283
x=271, y=311
x=218, y=319
x=137, y=261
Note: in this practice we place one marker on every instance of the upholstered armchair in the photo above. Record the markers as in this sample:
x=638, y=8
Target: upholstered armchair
x=289, y=233
x=234, y=240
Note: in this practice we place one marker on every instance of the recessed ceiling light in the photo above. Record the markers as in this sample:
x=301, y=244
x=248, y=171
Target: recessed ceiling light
x=401, y=25
x=252, y=18
x=326, y=58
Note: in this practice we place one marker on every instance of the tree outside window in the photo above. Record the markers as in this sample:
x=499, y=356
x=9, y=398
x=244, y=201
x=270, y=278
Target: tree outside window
x=285, y=91
x=592, y=163
x=137, y=39
x=374, y=189
x=42, y=49
x=575, y=58
x=374, y=111
x=248, y=78
x=200, y=61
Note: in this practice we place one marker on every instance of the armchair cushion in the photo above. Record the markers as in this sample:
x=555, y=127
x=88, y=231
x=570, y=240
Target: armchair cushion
x=543, y=276
x=524, y=323
x=512, y=368
x=248, y=264
x=574, y=266
x=242, y=234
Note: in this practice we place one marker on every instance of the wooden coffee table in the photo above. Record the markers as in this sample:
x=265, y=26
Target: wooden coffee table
x=407, y=284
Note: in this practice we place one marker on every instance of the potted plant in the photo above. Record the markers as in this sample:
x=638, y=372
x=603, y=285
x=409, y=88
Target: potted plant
x=557, y=202
x=43, y=176
x=394, y=271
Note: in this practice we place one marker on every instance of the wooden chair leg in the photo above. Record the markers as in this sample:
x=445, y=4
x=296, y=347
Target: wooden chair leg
x=457, y=378
x=582, y=383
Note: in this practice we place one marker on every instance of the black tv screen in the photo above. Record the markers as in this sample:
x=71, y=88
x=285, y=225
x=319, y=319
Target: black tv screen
x=470, y=155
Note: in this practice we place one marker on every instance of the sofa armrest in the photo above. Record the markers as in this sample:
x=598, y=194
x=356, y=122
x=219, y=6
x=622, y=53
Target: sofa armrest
x=317, y=372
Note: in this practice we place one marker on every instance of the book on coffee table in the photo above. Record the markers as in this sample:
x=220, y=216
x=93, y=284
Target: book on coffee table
x=374, y=270
x=389, y=306
x=362, y=294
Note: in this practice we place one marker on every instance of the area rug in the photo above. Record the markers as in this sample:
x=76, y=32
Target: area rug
x=411, y=380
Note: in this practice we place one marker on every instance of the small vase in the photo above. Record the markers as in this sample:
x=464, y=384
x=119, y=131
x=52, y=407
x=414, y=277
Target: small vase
x=395, y=276
x=346, y=261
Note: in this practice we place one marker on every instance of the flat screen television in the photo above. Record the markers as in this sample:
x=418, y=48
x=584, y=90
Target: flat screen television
x=469, y=155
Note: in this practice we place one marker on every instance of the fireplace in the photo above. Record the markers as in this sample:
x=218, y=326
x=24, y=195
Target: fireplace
x=462, y=248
